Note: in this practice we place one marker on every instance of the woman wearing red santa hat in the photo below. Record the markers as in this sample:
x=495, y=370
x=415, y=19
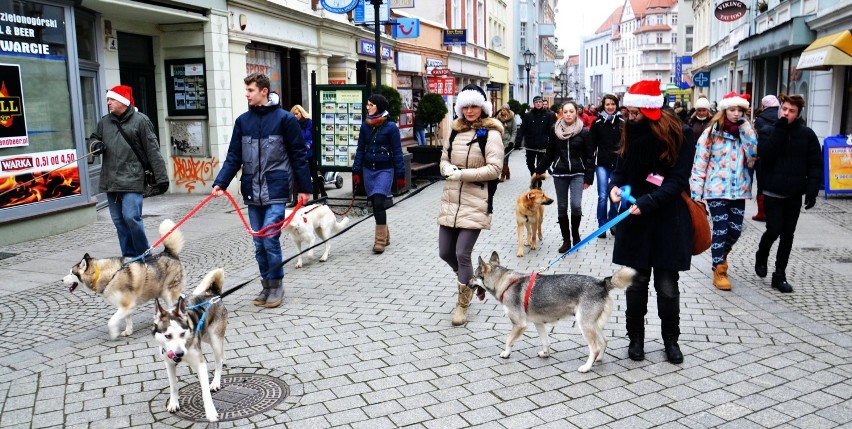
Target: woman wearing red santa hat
x=655, y=160
x=721, y=175
x=119, y=136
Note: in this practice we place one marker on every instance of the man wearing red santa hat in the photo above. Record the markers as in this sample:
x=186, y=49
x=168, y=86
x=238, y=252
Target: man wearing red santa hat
x=125, y=137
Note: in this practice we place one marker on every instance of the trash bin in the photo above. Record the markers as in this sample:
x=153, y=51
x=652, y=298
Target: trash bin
x=406, y=158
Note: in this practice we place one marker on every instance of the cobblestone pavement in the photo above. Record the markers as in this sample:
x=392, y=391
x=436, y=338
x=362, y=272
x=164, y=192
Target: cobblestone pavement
x=365, y=340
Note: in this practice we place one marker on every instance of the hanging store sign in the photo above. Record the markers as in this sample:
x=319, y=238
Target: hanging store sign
x=730, y=10
x=442, y=85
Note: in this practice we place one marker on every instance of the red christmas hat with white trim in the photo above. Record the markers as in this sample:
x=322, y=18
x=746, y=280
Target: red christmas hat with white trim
x=732, y=99
x=123, y=94
x=645, y=95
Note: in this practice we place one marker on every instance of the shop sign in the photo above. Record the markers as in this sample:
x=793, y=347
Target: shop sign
x=455, y=37
x=13, y=123
x=401, y=4
x=367, y=47
x=441, y=85
x=701, y=79
x=54, y=179
x=838, y=164
x=366, y=13
x=403, y=81
x=441, y=72
x=730, y=10
x=493, y=86
x=406, y=28
x=408, y=62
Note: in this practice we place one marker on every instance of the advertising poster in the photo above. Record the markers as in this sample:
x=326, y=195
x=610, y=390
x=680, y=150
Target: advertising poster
x=48, y=184
x=838, y=158
x=340, y=123
x=13, y=123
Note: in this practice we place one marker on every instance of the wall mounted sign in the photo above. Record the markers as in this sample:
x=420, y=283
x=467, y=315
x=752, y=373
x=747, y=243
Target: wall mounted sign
x=13, y=123
x=701, y=79
x=730, y=10
x=455, y=37
x=339, y=6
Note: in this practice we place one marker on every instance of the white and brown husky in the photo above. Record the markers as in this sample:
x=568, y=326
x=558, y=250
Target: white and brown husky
x=158, y=276
x=179, y=333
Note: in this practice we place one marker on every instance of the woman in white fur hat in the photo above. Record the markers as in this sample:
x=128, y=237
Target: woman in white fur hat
x=721, y=175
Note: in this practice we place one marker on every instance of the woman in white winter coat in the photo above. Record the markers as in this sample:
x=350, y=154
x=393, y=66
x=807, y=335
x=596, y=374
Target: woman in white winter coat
x=472, y=156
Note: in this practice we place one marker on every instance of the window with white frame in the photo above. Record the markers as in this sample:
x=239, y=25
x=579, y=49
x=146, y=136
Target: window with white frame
x=468, y=19
x=674, y=38
x=480, y=17
x=456, y=14
x=674, y=19
x=659, y=38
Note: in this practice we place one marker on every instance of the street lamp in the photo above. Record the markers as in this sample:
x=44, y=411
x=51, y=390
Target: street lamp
x=529, y=58
x=562, y=78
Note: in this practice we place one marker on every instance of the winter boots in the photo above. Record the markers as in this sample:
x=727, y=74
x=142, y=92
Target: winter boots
x=720, y=275
x=464, y=297
x=669, y=311
x=760, y=216
x=637, y=306
x=575, y=227
x=260, y=300
x=760, y=264
x=276, y=293
x=779, y=281
x=565, y=228
x=382, y=239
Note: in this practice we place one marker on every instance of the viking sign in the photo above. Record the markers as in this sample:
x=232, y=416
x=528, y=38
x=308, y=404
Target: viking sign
x=730, y=10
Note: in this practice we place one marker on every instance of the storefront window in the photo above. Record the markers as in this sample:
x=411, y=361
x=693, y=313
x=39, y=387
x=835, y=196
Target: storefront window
x=266, y=61
x=36, y=136
x=846, y=119
x=792, y=80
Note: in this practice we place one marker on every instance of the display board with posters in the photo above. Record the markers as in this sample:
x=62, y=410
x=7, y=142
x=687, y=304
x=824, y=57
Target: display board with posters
x=339, y=111
x=838, y=164
x=186, y=87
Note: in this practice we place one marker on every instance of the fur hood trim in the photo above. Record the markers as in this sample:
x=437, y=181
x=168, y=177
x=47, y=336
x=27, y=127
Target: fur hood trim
x=460, y=125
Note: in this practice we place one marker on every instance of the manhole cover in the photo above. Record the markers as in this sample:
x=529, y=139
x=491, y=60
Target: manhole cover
x=241, y=396
x=4, y=255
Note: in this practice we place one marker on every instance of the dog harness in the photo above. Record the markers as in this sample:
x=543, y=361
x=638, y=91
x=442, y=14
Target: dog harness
x=97, y=276
x=529, y=290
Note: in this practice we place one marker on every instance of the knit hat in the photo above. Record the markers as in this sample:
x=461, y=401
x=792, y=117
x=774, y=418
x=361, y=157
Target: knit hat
x=538, y=98
x=123, y=94
x=472, y=95
x=769, y=101
x=702, y=103
x=645, y=95
x=732, y=99
x=380, y=102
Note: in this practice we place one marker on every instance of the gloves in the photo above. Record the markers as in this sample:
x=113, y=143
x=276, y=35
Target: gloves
x=781, y=122
x=356, y=178
x=810, y=201
x=400, y=183
x=163, y=187
x=97, y=147
x=448, y=170
x=456, y=175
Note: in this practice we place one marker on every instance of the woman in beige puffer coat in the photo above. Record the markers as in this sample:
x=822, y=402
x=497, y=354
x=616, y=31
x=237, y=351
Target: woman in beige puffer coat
x=464, y=202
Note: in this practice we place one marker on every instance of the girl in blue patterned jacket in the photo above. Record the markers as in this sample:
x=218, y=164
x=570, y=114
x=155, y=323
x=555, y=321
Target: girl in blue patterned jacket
x=724, y=156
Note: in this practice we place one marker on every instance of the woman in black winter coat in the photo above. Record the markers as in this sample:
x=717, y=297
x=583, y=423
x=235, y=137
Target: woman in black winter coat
x=570, y=157
x=605, y=134
x=656, y=161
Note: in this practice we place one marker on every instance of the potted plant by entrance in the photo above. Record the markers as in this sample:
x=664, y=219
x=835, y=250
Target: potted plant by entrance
x=426, y=159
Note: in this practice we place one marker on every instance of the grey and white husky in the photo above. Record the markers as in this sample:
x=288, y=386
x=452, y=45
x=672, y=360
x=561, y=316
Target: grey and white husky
x=553, y=297
x=159, y=276
x=175, y=332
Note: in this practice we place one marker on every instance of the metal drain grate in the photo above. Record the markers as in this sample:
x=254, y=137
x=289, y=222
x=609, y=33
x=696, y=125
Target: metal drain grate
x=241, y=396
x=4, y=255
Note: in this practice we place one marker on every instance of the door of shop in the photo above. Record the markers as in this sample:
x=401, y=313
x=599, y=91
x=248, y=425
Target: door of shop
x=136, y=68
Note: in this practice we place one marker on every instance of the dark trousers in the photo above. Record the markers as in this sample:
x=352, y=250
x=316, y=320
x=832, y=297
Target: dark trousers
x=533, y=158
x=782, y=216
x=668, y=303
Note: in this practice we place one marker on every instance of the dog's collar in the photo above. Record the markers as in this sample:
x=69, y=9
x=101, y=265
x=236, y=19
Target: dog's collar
x=512, y=283
x=97, y=276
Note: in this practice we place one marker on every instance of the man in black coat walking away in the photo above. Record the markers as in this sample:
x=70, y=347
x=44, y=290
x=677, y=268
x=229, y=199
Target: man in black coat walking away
x=534, y=133
x=790, y=166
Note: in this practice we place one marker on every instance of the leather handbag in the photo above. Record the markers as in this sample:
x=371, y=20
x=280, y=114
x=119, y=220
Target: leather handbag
x=700, y=224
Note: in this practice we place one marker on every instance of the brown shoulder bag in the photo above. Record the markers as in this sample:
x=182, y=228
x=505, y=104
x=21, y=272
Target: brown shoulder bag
x=700, y=224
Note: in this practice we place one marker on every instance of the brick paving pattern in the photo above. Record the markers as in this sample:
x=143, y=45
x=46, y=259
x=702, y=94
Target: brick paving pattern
x=364, y=341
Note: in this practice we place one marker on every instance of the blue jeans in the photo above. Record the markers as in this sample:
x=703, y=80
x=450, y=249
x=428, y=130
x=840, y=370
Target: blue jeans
x=125, y=208
x=603, y=174
x=267, y=250
x=420, y=135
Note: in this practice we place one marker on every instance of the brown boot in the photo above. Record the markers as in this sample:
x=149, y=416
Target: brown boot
x=720, y=278
x=381, y=238
x=724, y=263
x=565, y=229
x=464, y=297
x=387, y=236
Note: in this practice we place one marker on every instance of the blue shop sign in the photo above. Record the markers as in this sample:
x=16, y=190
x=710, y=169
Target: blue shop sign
x=455, y=37
x=701, y=79
x=369, y=48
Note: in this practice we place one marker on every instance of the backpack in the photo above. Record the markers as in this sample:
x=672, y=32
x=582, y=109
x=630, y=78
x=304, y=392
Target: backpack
x=492, y=184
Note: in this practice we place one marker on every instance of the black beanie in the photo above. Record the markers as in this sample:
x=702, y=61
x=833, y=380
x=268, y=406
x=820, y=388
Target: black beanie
x=380, y=102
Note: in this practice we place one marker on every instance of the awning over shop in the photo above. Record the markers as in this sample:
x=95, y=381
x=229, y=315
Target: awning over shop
x=784, y=37
x=828, y=51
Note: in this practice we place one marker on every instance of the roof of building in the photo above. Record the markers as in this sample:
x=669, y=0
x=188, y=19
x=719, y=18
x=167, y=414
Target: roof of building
x=613, y=19
x=643, y=7
x=573, y=60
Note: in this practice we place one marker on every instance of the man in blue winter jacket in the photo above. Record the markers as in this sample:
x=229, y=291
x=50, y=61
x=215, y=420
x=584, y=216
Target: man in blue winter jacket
x=267, y=144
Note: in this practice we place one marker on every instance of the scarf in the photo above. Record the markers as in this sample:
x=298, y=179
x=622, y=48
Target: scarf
x=731, y=128
x=377, y=120
x=564, y=131
x=607, y=117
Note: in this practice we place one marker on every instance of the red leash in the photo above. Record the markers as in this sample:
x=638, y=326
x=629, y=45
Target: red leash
x=277, y=227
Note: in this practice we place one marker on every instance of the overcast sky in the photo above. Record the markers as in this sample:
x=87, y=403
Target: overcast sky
x=577, y=19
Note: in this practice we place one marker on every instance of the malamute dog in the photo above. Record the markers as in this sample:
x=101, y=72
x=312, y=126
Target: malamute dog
x=159, y=276
x=310, y=222
x=553, y=297
x=175, y=332
x=529, y=213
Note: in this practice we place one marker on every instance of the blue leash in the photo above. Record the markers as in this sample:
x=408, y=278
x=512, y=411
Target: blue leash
x=206, y=305
x=625, y=194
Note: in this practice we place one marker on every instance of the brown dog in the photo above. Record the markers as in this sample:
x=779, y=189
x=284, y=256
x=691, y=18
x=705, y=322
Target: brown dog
x=529, y=213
